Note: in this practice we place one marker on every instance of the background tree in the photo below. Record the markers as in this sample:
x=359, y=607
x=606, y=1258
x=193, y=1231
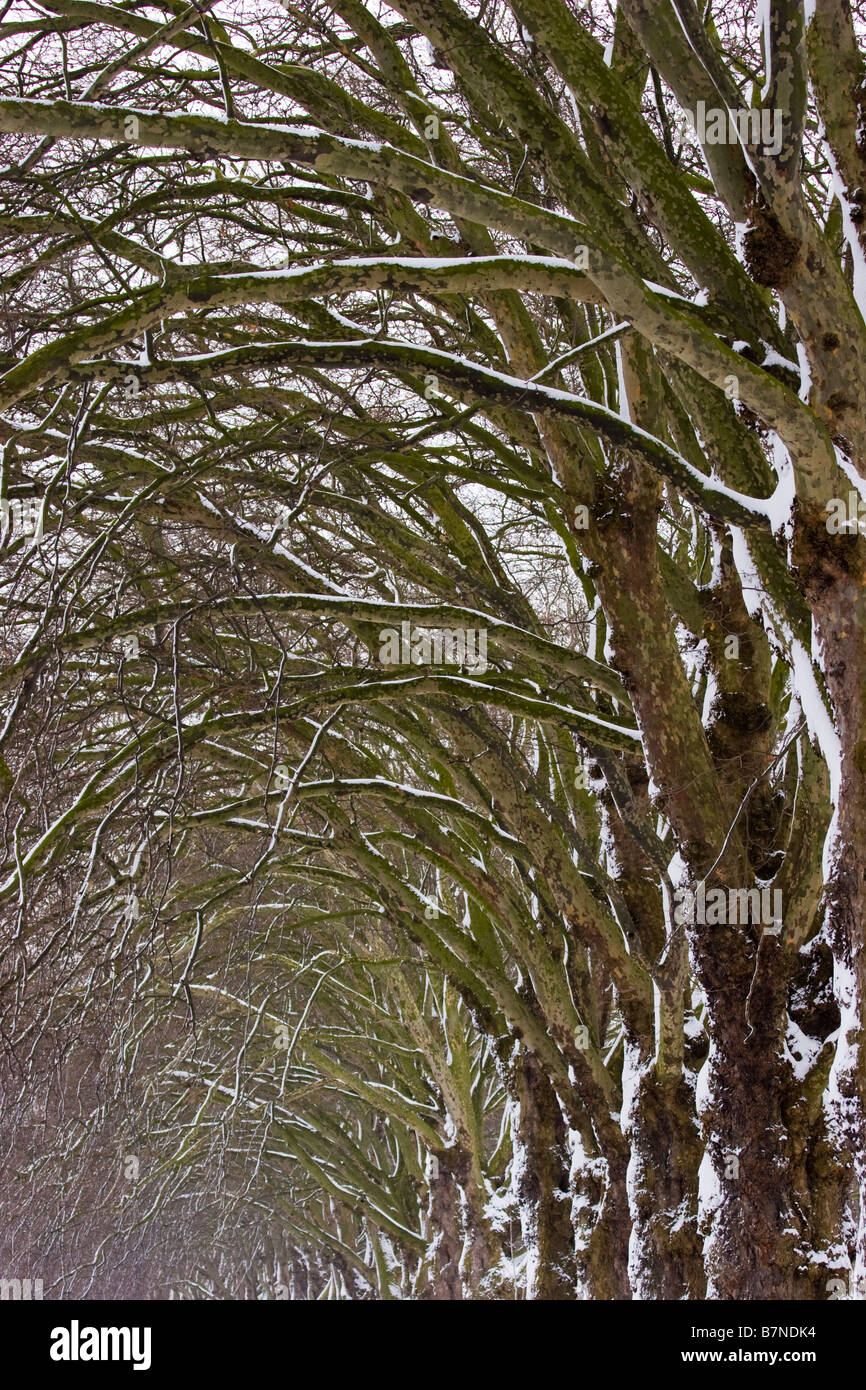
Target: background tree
x=326, y=971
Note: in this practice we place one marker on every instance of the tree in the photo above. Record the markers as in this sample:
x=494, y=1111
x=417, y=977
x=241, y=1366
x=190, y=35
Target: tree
x=433, y=648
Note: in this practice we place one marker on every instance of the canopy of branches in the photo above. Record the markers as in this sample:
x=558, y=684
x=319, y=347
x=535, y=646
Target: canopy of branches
x=419, y=436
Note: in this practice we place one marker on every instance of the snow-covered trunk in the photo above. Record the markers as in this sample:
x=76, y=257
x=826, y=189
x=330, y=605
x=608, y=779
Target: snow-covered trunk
x=601, y=1223
x=542, y=1173
x=750, y=1236
x=446, y=1237
x=840, y=627
x=665, y=1257
x=482, y=1250
x=821, y=1190
x=465, y=1254
x=658, y=1114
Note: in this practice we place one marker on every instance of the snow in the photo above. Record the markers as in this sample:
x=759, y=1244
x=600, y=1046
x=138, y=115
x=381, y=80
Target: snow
x=632, y=1071
x=775, y=359
x=711, y=690
x=406, y=263
x=740, y=230
x=841, y=1104
x=704, y=1083
x=801, y=1051
x=805, y=373
x=678, y=870
x=855, y=479
x=622, y=389
x=668, y=293
x=819, y=720
x=710, y=1194
x=858, y=259
x=763, y=18
x=781, y=505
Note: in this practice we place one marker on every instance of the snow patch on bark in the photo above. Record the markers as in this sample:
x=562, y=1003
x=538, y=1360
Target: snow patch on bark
x=801, y=1051
x=858, y=260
